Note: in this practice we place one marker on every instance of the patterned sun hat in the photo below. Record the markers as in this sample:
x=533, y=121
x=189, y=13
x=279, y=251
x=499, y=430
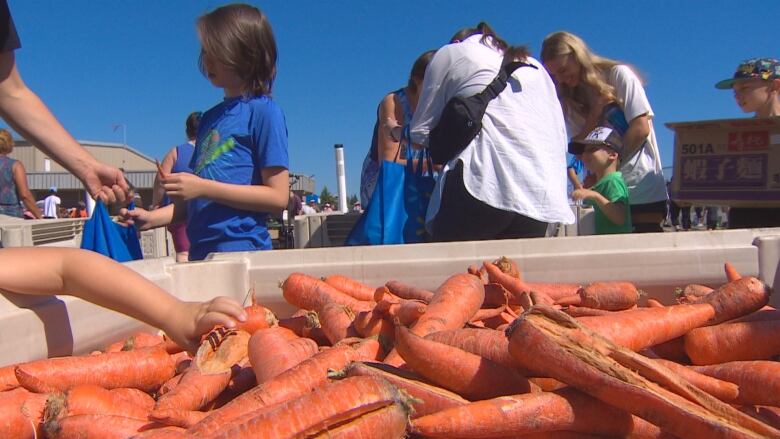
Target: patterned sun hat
x=761, y=68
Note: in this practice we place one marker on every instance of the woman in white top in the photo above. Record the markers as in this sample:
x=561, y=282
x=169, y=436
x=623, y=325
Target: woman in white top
x=510, y=181
x=594, y=91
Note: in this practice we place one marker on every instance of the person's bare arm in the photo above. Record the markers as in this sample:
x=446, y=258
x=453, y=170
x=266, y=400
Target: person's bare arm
x=102, y=281
x=23, y=190
x=271, y=196
x=387, y=146
x=615, y=212
x=158, y=191
x=23, y=110
x=635, y=136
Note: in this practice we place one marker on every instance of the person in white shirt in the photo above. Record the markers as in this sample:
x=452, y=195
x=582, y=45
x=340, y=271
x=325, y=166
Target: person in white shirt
x=597, y=91
x=51, y=204
x=510, y=181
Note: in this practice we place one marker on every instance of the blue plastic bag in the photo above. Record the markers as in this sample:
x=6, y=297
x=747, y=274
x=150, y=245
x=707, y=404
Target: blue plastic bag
x=396, y=212
x=108, y=238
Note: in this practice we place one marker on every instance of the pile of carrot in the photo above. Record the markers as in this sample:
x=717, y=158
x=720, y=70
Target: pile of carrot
x=486, y=354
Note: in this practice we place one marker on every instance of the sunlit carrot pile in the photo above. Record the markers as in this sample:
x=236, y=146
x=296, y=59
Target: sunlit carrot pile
x=485, y=355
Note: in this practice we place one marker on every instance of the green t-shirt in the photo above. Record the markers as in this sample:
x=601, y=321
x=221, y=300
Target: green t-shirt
x=614, y=189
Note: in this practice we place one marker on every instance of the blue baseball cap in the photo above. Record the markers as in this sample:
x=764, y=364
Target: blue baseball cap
x=761, y=68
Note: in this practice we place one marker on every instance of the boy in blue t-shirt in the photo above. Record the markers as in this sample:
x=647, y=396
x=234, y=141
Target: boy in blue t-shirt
x=240, y=162
x=609, y=196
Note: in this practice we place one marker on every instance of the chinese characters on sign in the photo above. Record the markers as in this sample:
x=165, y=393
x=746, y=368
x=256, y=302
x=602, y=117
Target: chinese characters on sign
x=725, y=171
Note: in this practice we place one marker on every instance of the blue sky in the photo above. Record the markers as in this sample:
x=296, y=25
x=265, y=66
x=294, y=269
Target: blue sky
x=98, y=63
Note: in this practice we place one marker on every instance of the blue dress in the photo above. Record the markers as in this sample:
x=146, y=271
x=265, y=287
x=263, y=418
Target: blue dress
x=9, y=199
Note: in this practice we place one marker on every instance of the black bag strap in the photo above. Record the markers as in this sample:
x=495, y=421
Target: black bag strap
x=499, y=83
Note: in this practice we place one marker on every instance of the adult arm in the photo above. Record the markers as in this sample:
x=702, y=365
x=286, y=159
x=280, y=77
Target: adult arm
x=23, y=190
x=631, y=92
x=28, y=115
x=389, y=116
x=86, y=275
x=158, y=191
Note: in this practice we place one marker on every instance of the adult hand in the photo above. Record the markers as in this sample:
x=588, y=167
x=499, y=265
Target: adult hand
x=183, y=186
x=193, y=319
x=107, y=183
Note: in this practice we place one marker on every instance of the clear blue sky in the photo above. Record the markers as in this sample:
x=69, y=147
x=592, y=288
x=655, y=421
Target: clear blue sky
x=97, y=63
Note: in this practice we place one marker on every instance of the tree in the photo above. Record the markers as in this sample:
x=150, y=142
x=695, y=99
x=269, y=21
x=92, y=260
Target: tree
x=327, y=197
x=351, y=200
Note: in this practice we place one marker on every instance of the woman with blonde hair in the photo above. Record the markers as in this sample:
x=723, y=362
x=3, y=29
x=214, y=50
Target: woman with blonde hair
x=598, y=91
x=13, y=182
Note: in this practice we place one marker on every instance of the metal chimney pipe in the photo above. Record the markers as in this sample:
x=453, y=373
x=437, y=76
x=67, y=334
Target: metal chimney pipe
x=342, y=180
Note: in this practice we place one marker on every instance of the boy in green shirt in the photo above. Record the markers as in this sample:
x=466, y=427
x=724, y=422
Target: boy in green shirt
x=609, y=196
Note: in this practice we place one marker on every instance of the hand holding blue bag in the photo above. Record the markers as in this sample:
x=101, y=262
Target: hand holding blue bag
x=104, y=236
x=396, y=212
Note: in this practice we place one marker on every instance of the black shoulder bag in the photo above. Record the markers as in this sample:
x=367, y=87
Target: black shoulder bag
x=461, y=119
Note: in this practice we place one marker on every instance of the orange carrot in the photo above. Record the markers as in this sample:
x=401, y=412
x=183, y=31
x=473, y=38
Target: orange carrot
x=169, y=385
x=673, y=350
x=388, y=422
x=271, y=353
x=731, y=273
x=486, y=313
x=692, y=293
x=194, y=391
x=508, y=266
x=89, y=399
x=96, y=426
x=516, y=287
x=410, y=311
x=167, y=432
x=21, y=413
x=290, y=384
x=222, y=350
x=371, y=323
x=426, y=398
x=145, y=369
x=454, y=303
x=737, y=298
x=611, y=296
x=257, y=317
x=464, y=373
x=408, y=292
x=352, y=287
x=654, y=303
x=486, y=343
x=565, y=409
x=315, y=412
x=8, y=379
x=137, y=340
x=739, y=341
x=309, y=292
x=548, y=384
x=177, y=417
x=305, y=323
x=584, y=311
x=135, y=396
x=336, y=321
x=723, y=390
x=495, y=295
x=758, y=381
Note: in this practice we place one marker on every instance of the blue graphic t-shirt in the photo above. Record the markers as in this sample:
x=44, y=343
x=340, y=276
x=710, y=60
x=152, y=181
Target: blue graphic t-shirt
x=236, y=139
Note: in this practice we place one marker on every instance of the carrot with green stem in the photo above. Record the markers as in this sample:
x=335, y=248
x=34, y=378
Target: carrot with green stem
x=145, y=369
x=350, y=286
x=464, y=373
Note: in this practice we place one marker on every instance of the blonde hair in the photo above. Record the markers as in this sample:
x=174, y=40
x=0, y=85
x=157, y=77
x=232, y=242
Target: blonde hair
x=594, y=70
x=6, y=142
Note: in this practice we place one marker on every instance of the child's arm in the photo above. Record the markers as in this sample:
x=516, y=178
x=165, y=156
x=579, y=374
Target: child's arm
x=271, y=196
x=615, y=212
x=102, y=281
x=146, y=220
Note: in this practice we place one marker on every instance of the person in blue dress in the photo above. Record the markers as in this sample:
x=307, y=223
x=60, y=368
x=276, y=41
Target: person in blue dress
x=240, y=164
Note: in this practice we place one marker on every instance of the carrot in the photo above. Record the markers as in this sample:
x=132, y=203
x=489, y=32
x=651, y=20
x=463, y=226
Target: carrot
x=96, y=426
x=314, y=413
x=611, y=296
x=740, y=341
x=464, y=373
x=8, y=379
x=177, y=417
x=289, y=384
x=673, y=350
x=425, y=398
x=544, y=339
x=737, y=298
x=508, y=266
x=352, y=287
x=731, y=273
x=692, y=293
x=145, y=369
x=195, y=390
x=767, y=415
x=454, y=303
x=495, y=295
x=257, y=317
x=222, y=349
x=271, y=353
x=486, y=313
x=584, y=311
x=309, y=292
x=137, y=340
x=409, y=292
x=479, y=273
x=301, y=322
x=135, y=396
x=644, y=327
x=162, y=433
x=486, y=343
x=762, y=315
x=654, y=303
x=336, y=320
x=723, y=390
x=518, y=415
x=169, y=385
x=21, y=413
x=516, y=286
x=504, y=318
x=758, y=381
x=371, y=323
x=548, y=384
x=89, y=399
x=388, y=422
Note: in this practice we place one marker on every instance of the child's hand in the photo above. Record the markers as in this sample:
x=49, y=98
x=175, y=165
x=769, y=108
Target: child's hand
x=183, y=186
x=191, y=320
x=138, y=216
x=582, y=194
